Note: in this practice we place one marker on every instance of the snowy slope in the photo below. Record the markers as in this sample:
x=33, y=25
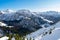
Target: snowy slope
x=55, y=35
x=40, y=34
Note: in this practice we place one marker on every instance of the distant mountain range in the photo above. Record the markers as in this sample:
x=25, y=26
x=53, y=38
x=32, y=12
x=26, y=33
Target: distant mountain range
x=23, y=20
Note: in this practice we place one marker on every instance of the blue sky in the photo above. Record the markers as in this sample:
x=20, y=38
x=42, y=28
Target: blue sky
x=33, y=5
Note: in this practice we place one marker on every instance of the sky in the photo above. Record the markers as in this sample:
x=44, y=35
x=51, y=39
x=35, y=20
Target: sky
x=33, y=5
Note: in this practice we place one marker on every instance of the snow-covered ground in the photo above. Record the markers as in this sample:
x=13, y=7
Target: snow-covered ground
x=4, y=38
x=49, y=33
x=54, y=36
x=55, y=33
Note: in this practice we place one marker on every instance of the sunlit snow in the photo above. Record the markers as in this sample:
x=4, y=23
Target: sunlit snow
x=4, y=38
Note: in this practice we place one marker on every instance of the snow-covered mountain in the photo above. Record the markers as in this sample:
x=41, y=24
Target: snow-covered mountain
x=50, y=15
x=7, y=11
x=22, y=16
x=16, y=15
x=27, y=20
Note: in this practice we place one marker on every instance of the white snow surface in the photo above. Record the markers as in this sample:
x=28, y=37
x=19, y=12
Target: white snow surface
x=4, y=38
x=46, y=20
x=40, y=34
x=3, y=24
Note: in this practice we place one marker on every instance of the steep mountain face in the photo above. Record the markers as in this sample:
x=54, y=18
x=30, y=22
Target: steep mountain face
x=23, y=20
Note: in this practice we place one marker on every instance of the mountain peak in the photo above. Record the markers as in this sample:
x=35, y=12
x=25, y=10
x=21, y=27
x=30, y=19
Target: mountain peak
x=9, y=10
